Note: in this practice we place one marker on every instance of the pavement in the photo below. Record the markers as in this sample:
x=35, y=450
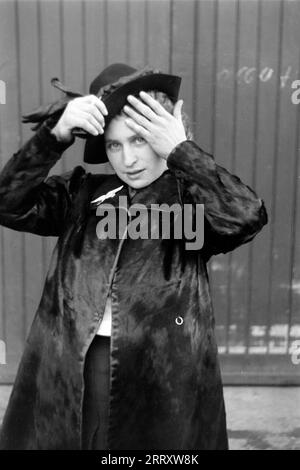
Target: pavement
x=258, y=418
x=263, y=418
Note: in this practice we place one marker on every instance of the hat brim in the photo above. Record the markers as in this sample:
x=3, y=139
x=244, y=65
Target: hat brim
x=94, y=152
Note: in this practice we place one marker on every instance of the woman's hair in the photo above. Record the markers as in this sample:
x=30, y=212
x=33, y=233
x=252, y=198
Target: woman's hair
x=167, y=103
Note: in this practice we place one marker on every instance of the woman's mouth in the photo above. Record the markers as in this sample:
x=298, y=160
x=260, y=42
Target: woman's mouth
x=134, y=174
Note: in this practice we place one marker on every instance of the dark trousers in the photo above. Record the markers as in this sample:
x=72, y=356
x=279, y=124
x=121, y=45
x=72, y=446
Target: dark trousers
x=96, y=394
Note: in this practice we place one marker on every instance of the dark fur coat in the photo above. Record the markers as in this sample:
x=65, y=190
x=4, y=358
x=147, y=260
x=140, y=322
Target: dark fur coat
x=166, y=390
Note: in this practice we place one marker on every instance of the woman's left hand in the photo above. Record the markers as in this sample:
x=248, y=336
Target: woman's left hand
x=162, y=130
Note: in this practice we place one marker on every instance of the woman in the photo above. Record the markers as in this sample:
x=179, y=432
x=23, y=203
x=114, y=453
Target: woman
x=122, y=352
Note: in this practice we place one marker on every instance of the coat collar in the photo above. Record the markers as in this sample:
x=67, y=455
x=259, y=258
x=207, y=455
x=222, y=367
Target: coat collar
x=164, y=189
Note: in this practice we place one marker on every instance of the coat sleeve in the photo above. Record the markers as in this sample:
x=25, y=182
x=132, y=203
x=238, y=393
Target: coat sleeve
x=233, y=214
x=29, y=201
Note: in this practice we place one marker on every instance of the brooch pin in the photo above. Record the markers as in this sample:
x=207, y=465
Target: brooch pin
x=108, y=195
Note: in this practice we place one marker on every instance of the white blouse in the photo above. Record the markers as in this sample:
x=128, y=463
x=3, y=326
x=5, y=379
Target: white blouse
x=105, y=327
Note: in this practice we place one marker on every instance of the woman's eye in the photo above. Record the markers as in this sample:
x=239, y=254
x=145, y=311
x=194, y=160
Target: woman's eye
x=139, y=140
x=113, y=146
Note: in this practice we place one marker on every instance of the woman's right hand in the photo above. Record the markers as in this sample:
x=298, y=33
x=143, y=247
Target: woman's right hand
x=86, y=112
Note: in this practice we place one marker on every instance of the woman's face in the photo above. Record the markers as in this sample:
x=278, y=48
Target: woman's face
x=132, y=158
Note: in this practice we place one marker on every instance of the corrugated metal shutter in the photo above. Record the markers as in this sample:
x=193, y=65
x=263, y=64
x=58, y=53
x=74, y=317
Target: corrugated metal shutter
x=238, y=60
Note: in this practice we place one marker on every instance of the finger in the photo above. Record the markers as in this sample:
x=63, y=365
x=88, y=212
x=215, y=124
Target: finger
x=137, y=117
x=85, y=124
x=140, y=130
x=94, y=111
x=178, y=110
x=93, y=121
x=154, y=104
x=98, y=103
x=142, y=108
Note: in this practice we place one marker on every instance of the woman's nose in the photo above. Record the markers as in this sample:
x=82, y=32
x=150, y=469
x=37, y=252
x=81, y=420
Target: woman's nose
x=129, y=156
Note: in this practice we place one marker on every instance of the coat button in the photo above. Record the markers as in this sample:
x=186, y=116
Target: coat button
x=178, y=320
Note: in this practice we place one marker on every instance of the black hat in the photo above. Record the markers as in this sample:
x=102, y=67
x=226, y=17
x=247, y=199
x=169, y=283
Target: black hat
x=113, y=85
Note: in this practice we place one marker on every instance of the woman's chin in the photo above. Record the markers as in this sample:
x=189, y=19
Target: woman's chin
x=137, y=183
x=142, y=181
